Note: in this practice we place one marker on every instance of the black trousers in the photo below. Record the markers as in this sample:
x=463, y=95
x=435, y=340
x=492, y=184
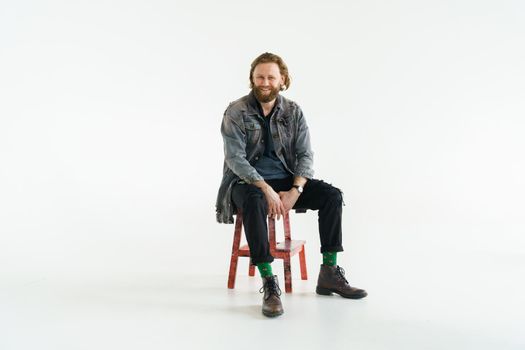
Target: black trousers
x=317, y=195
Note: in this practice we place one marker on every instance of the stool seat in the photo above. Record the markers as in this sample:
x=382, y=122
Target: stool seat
x=292, y=246
x=279, y=250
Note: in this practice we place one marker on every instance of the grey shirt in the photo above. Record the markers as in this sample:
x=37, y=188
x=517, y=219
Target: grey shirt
x=269, y=166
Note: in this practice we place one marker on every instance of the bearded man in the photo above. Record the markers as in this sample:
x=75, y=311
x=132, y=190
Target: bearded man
x=268, y=170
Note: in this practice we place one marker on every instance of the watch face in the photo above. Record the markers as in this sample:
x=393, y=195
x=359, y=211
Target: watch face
x=299, y=188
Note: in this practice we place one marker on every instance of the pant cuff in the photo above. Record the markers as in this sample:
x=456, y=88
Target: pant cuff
x=264, y=259
x=332, y=249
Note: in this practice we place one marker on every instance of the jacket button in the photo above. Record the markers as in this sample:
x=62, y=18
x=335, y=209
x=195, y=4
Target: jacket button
x=262, y=141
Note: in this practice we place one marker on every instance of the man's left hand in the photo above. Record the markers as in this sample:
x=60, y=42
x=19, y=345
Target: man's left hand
x=289, y=198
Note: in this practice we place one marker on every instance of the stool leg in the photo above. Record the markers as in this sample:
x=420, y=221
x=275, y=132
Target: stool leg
x=271, y=235
x=287, y=274
x=233, y=271
x=235, y=252
x=302, y=261
x=251, y=270
x=286, y=226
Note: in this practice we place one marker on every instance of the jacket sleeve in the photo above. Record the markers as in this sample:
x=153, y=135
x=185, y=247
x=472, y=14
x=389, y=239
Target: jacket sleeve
x=234, y=137
x=305, y=155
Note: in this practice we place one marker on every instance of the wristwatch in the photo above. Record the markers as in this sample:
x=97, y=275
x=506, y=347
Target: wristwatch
x=299, y=188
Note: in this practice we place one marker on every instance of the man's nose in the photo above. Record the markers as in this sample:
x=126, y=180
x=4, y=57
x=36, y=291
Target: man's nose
x=266, y=82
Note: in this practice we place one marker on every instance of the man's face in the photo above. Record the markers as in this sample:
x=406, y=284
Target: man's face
x=267, y=81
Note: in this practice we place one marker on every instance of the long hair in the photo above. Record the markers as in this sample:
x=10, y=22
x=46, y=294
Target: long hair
x=268, y=57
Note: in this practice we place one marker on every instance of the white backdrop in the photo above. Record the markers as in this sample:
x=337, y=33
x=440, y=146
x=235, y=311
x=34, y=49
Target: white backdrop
x=111, y=155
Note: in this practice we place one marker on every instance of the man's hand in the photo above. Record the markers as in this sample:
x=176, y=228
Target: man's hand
x=288, y=198
x=275, y=205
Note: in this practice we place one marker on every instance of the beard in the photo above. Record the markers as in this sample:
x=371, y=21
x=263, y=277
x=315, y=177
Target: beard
x=265, y=96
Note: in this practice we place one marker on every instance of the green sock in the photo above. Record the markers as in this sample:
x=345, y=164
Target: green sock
x=265, y=269
x=330, y=258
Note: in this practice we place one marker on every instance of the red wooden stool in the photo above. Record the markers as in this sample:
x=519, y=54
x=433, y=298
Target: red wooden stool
x=282, y=250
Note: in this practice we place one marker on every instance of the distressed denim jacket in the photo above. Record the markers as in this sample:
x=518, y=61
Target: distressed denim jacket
x=242, y=132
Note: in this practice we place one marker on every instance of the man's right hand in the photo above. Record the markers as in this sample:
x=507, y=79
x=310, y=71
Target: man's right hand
x=275, y=205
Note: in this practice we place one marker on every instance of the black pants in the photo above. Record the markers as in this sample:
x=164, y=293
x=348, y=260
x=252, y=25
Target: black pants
x=317, y=195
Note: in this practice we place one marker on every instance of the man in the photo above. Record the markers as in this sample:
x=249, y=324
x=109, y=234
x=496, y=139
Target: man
x=268, y=171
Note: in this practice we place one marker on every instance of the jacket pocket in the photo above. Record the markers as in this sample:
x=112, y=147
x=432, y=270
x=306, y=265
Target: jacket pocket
x=253, y=132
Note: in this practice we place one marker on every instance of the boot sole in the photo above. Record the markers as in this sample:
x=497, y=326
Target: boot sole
x=326, y=291
x=272, y=314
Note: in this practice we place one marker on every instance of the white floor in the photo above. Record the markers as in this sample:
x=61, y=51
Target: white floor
x=416, y=301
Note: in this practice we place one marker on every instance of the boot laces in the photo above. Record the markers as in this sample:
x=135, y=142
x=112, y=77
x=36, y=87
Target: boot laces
x=340, y=273
x=272, y=288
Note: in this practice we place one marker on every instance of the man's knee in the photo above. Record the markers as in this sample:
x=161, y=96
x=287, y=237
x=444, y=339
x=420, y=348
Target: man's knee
x=334, y=195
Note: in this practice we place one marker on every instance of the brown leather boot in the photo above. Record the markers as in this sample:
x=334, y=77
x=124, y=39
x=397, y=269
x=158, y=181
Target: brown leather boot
x=271, y=300
x=332, y=280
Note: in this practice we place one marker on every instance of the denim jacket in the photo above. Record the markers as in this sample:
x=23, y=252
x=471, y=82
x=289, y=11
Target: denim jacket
x=242, y=133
